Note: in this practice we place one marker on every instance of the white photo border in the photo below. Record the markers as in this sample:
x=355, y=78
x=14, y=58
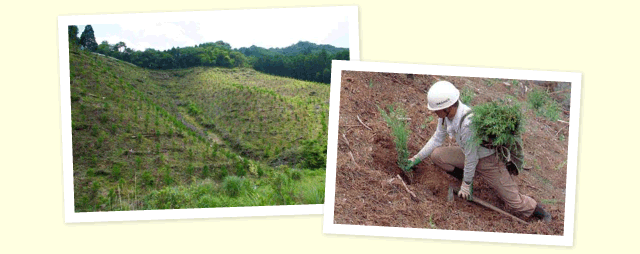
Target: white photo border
x=572, y=157
x=65, y=109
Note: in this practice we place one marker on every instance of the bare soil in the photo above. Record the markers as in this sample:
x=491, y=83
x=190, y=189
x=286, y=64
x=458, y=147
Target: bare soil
x=367, y=194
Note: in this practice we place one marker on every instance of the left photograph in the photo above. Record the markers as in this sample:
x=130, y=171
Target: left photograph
x=163, y=113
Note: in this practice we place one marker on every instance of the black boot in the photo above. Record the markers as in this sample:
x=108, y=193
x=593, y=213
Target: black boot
x=457, y=173
x=542, y=214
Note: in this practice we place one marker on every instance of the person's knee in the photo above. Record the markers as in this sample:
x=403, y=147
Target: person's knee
x=437, y=156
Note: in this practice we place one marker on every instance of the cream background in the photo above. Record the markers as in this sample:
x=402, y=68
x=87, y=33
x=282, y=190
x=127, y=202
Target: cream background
x=599, y=40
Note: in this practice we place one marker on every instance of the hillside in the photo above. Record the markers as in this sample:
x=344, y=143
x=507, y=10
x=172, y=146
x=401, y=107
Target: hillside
x=366, y=192
x=197, y=137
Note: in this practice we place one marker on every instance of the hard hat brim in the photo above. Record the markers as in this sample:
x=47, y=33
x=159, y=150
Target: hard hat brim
x=444, y=106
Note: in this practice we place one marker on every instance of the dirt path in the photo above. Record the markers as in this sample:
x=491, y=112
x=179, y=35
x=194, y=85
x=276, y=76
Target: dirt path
x=366, y=193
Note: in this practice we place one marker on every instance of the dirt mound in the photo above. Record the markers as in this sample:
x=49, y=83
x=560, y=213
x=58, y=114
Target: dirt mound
x=367, y=194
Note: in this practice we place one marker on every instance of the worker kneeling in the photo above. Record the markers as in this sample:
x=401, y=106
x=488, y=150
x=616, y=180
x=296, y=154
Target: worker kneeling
x=464, y=161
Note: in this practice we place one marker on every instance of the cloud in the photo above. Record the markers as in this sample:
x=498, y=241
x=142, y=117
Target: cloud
x=240, y=28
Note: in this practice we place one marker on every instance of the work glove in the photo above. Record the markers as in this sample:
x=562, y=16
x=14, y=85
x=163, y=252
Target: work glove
x=466, y=191
x=412, y=162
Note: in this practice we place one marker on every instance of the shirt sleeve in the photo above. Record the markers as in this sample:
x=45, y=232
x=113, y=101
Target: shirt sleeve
x=435, y=141
x=470, y=149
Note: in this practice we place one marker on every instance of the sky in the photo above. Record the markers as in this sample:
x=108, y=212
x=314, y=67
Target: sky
x=267, y=28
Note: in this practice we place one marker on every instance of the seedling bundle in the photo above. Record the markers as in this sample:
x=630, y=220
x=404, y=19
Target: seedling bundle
x=499, y=125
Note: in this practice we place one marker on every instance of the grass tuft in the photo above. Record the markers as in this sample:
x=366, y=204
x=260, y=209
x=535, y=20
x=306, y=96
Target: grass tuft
x=233, y=185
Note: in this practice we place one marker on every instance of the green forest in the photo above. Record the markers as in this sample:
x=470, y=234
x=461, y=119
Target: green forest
x=204, y=129
x=303, y=60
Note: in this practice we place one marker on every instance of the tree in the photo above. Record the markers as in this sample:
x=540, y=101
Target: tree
x=73, y=36
x=120, y=45
x=88, y=39
x=103, y=48
x=342, y=55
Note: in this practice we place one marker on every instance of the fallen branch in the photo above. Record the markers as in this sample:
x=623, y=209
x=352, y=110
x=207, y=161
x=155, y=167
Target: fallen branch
x=354, y=160
x=423, y=138
x=363, y=123
x=413, y=195
x=346, y=140
x=350, y=153
x=560, y=130
x=563, y=121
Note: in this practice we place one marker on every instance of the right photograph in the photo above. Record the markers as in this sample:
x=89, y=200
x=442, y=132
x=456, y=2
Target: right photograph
x=454, y=152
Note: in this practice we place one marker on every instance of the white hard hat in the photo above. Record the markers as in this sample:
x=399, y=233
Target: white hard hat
x=442, y=95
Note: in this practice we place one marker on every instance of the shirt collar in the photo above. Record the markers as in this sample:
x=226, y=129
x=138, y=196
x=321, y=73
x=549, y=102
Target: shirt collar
x=462, y=109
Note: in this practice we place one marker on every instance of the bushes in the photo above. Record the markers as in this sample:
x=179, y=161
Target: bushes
x=296, y=174
x=314, y=155
x=241, y=167
x=168, y=198
x=222, y=173
x=467, y=95
x=205, y=171
x=193, y=109
x=552, y=111
x=536, y=99
x=283, y=189
x=233, y=185
x=400, y=132
x=115, y=171
x=147, y=178
x=543, y=105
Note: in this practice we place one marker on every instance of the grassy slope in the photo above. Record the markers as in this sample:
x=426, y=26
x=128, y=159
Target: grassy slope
x=144, y=139
x=263, y=116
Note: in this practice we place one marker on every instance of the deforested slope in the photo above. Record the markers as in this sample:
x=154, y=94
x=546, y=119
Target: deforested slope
x=198, y=137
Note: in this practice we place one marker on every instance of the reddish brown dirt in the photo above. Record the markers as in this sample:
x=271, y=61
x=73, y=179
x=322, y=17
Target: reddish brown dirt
x=366, y=193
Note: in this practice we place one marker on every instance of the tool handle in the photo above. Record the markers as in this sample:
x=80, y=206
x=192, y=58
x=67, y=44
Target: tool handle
x=487, y=205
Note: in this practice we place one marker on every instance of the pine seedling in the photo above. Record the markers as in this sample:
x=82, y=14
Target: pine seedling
x=400, y=131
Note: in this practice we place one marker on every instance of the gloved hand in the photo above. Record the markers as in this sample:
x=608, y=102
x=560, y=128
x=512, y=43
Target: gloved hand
x=466, y=191
x=412, y=162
